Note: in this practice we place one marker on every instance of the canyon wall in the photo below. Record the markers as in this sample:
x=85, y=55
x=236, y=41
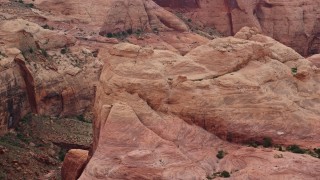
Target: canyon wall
x=294, y=23
x=42, y=72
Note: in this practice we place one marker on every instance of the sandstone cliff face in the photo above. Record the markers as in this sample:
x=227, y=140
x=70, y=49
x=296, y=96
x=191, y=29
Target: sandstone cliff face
x=117, y=15
x=143, y=21
x=160, y=115
x=38, y=78
x=13, y=97
x=294, y=23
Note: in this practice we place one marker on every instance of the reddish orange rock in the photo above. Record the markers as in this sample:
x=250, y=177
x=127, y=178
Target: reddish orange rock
x=73, y=164
x=292, y=22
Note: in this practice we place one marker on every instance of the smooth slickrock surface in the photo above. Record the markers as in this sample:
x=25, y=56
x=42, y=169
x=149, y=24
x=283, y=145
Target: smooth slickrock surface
x=160, y=115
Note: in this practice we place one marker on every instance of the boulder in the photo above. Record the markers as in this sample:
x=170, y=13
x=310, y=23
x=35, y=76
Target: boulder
x=73, y=164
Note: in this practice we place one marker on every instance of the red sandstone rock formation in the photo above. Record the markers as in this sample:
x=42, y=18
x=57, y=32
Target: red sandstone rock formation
x=160, y=115
x=294, y=23
x=116, y=15
x=38, y=78
x=73, y=164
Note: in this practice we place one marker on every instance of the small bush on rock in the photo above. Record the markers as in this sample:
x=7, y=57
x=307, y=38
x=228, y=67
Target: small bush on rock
x=295, y=149
x=225, y=174
x=220, y=154
x=267, y=142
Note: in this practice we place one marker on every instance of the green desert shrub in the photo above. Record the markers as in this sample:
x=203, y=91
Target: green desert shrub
x=267, y=142
x=294, y=70
x=62, y=154
x=295, y=149
x=109, y=35
x=220, y=154
x=225, y=174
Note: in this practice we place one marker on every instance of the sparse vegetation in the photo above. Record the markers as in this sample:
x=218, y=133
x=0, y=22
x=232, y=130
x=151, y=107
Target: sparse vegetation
x=109, y=35
x=317, y=151
x=44, y=53
x=155, y=30
x=3, y=175
x=229, y=137
x=125, y=34
x=138, y=32
x=26, y=118
x=10, y=139
x=220, y=154
x=30, y=145
x=267, y=142
x=254, y=144
x=294, y=70
x=31, y=50
x=46, y=26
x=23, y=137
x=62, y=154
x=30, y=5
x=296, y=149
x=225, y=174
x=129, y=31
x=64, y=50
x=82, y=118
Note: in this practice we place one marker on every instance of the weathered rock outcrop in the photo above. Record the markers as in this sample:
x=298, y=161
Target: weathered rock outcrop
x=117, y=15
x=294, y=23
x=43, y=73
x=14, y=101
x=162, y=116
x=73, y=164
x=143, y=144
x=142, y=22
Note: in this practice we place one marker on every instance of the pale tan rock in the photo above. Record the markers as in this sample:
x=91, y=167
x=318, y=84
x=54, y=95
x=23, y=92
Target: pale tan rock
x=315, y=59
x=12, y=32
